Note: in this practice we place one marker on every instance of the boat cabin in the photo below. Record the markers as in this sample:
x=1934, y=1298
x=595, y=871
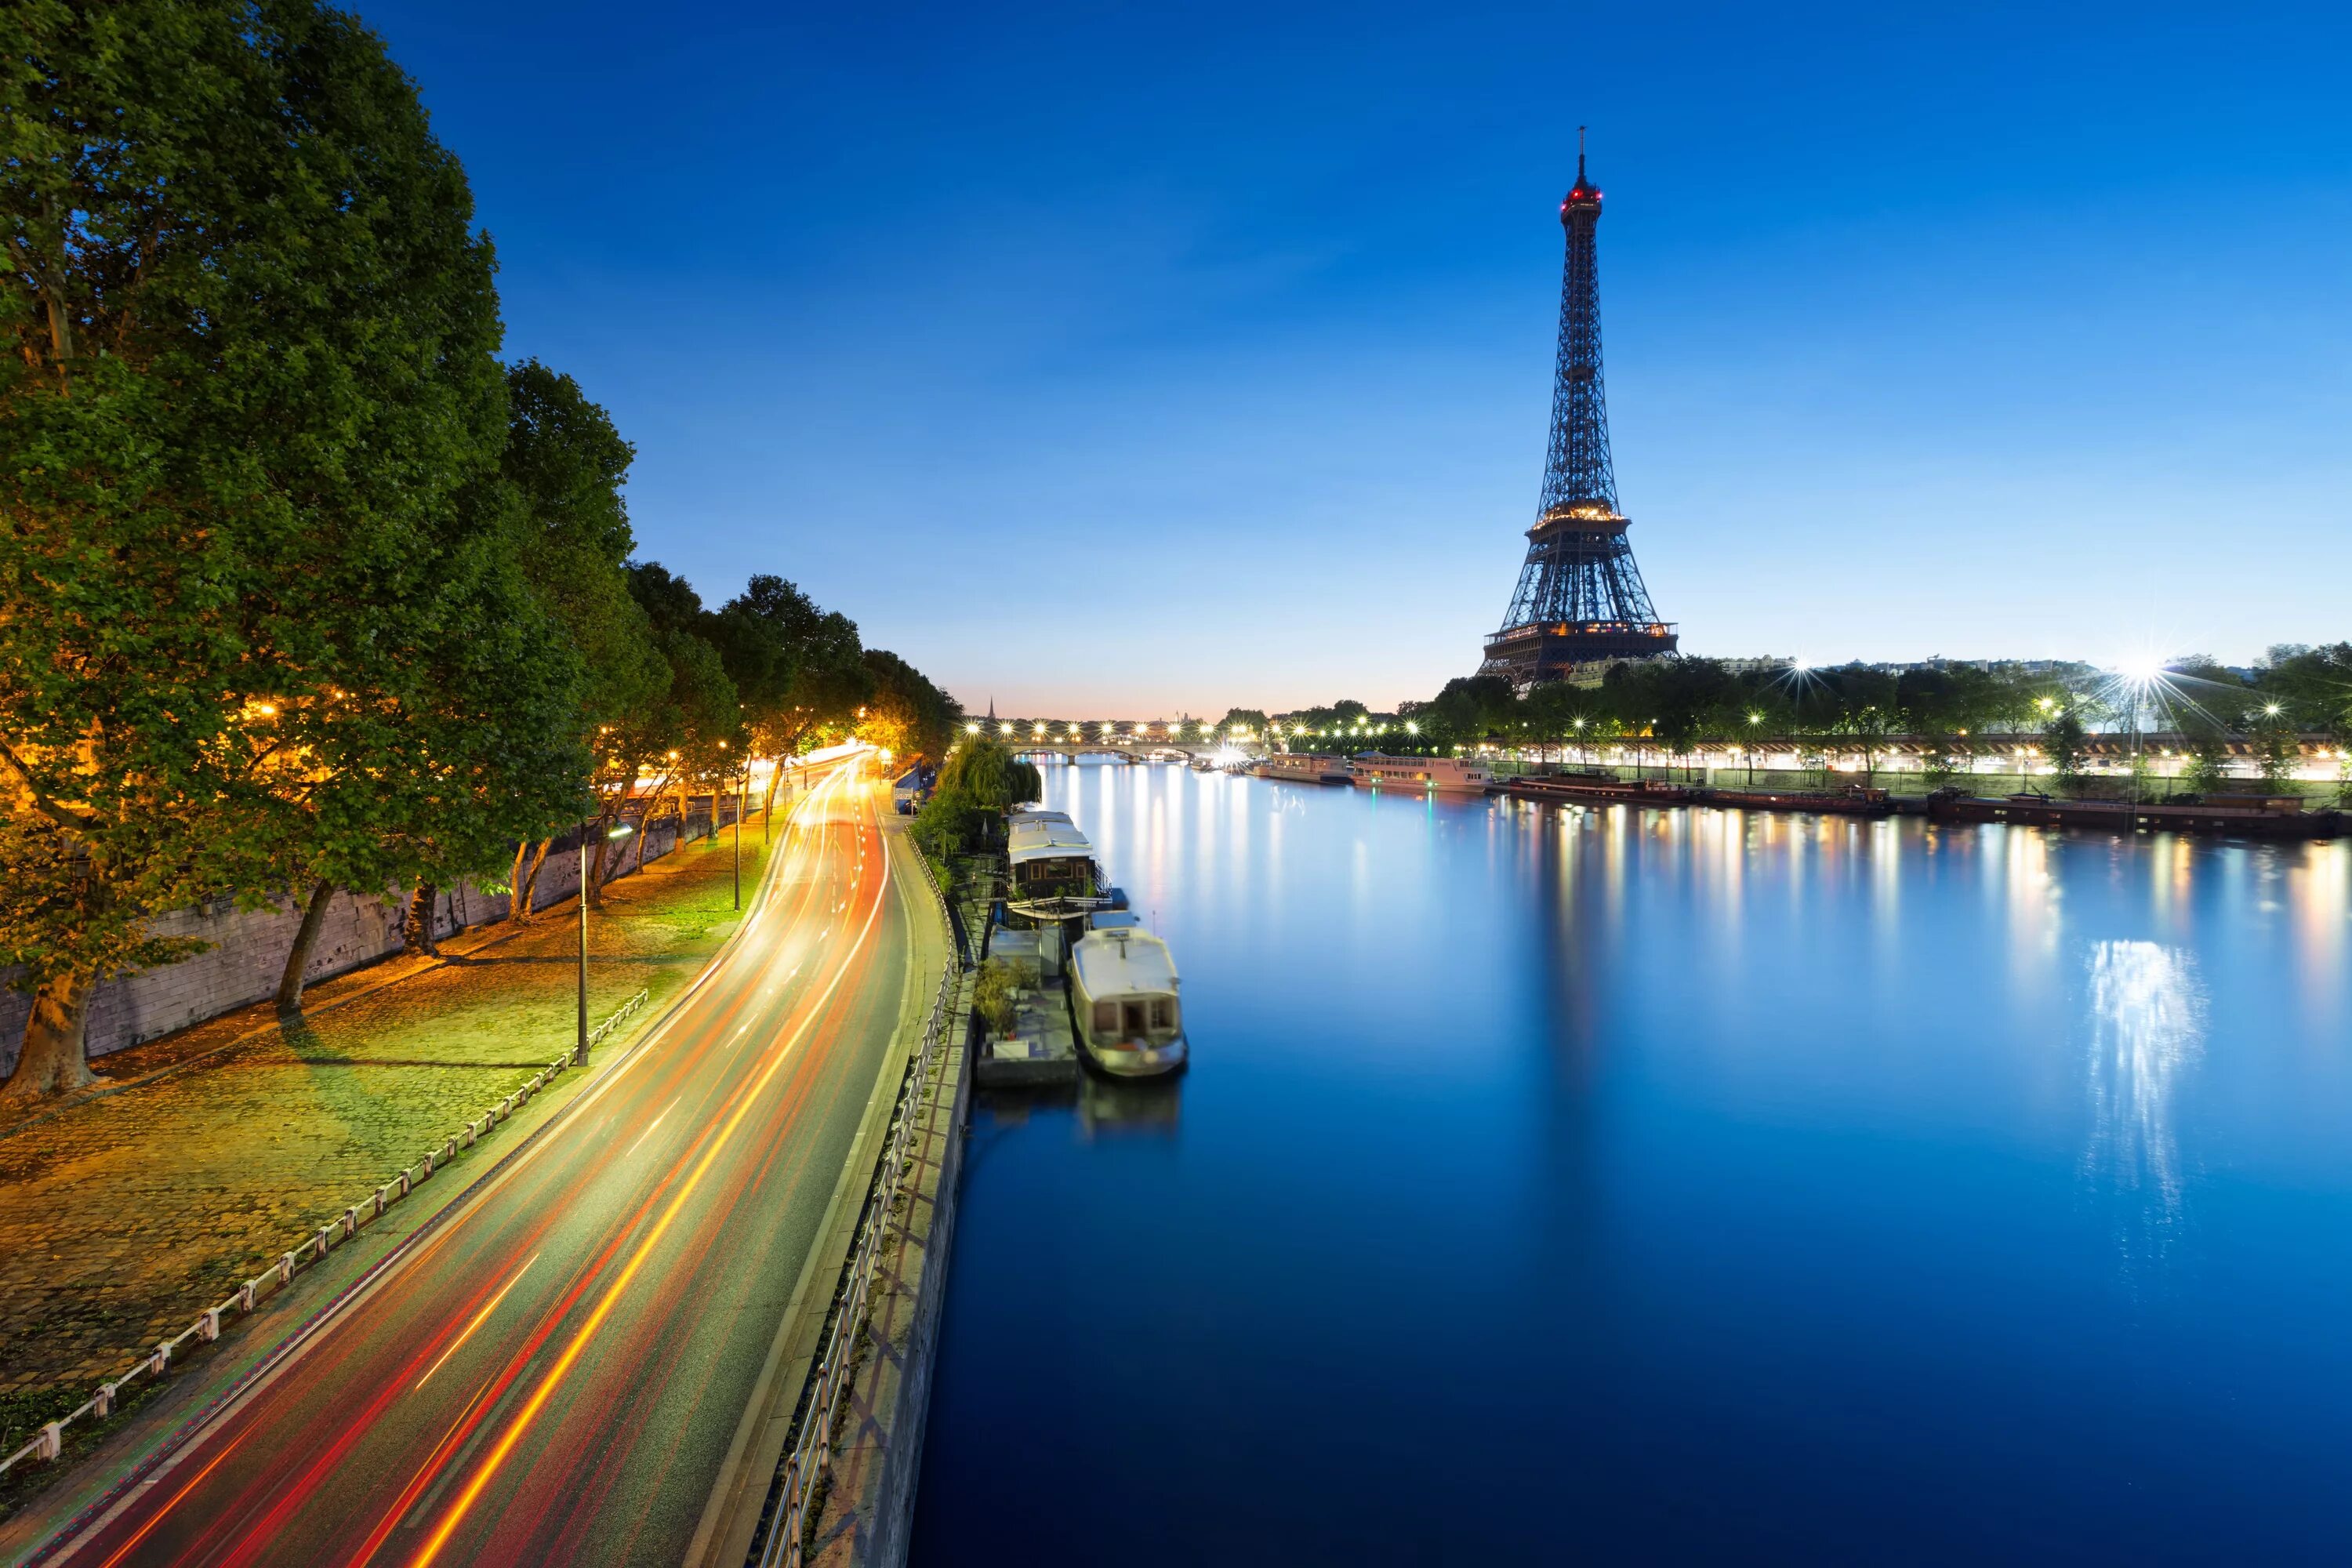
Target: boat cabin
x=1054, y=876
x=1124, y=1003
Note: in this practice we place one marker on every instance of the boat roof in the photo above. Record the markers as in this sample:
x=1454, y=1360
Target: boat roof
x=1123, y=964
x=1046, y=841
x=1016, y=818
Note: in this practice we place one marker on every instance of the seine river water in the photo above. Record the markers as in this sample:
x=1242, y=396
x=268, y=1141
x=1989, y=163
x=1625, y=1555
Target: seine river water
x=1671, y=1185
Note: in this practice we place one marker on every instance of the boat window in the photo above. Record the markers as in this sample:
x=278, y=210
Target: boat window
x=1134, y=1018
x=1106, y=1017
x=1163, y=1013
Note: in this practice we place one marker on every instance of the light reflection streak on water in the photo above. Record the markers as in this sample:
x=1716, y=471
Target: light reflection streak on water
x=2146, y=1030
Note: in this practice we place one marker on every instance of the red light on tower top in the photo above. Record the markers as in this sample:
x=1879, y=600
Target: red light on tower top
x=1584, y=195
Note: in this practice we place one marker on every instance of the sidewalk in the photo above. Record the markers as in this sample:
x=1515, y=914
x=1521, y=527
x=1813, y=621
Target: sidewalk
x=124, y=1213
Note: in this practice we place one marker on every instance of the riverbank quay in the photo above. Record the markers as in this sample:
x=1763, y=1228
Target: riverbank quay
x=1944, y=805
x=125, y=1215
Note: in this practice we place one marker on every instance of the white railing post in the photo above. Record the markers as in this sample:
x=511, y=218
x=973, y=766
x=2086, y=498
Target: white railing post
x=208, y=1326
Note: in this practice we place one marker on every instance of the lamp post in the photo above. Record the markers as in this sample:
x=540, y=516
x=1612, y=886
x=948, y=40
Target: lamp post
x=580, y=1050
x=742, y=800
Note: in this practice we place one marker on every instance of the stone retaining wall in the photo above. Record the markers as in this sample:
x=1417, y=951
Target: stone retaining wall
x=246, y=949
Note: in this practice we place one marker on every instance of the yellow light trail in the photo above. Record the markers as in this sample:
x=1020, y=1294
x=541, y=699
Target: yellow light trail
x=479, y=1317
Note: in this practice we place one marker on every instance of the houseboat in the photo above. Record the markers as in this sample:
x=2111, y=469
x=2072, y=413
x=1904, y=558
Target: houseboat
x=1055, y=874
x=1123, y=1002
x=1440, y=775
x=1302, y=767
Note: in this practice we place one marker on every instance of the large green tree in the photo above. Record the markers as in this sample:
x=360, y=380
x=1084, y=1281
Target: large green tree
x=250, y=376
x=798, y=669
x=564, y=466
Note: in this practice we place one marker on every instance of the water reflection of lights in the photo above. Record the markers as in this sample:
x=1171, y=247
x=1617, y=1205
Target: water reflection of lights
x=2148, y=1029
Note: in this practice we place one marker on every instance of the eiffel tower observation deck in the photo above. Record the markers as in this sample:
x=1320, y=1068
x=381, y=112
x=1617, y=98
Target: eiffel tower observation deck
x=1581, y=598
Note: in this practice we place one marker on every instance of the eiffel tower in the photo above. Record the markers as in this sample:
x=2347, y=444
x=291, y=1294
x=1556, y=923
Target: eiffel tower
x=1579, y=597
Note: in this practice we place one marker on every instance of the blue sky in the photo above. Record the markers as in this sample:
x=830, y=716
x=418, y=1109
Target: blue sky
x=1104, y=360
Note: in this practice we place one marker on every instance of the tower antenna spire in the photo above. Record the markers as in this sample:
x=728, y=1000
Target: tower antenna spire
x=1579, y=154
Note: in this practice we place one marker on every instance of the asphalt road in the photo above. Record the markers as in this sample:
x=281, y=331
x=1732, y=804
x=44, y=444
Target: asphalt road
x=554, y=1374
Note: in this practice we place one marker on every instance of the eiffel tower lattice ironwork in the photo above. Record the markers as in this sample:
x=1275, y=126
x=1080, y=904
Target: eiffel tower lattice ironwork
x=1580, y=597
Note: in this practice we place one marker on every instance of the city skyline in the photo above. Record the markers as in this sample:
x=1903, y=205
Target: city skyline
x=1982, y=367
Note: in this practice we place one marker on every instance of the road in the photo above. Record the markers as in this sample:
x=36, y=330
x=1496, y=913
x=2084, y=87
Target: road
x=554, y=1374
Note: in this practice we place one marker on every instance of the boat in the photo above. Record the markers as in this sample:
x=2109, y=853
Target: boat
x=1579, y=787
x=2031, y=807
x=1428, y=775
x=1852, y=801
x=1123, y=1002
x=1302, y=767
x=1055, y=875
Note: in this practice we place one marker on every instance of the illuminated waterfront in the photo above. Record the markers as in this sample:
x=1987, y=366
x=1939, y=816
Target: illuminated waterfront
x=1682, y=1182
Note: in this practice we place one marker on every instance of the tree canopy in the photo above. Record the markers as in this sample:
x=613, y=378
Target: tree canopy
x=303, y=588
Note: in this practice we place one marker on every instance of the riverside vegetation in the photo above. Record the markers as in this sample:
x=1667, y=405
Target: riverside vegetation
x=303, y=587
x=1670, y=710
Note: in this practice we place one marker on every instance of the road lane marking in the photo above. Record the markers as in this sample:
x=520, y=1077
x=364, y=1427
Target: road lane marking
x=487, y=1308
x=648, y=1132
x=614, y=1293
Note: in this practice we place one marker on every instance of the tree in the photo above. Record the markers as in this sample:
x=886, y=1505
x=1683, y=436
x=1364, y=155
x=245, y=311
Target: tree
x=692, y=728
x=798, y=668
x=903, y=711
x=980, y=780
x=252, y=331
x=564, y=465
x=2066, y=743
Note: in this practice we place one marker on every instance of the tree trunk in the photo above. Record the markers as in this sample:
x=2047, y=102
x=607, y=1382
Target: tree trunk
x=594, y=891
x=525, y=896
x=52, y=1061
x=306, y=938
x=416, y=929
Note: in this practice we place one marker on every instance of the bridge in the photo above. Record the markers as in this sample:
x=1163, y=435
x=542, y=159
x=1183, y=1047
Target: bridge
x=1123, y=749
x=1127, y=740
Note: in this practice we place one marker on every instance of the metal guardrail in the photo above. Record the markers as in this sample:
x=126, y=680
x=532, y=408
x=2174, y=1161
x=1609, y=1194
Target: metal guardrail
x=811, y=1451
x=48, y=1443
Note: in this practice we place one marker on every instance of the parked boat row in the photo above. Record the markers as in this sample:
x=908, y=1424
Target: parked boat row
x=2249, y=817
x=1441, y=776
x=1121, y=982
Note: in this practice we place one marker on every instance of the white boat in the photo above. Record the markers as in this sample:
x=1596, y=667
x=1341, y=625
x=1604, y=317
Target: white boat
x=1123, y=1002
x=1055, y=874
x=1441, y=776
x=1303, y=767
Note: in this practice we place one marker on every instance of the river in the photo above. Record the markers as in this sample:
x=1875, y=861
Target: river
x=1670, y=1185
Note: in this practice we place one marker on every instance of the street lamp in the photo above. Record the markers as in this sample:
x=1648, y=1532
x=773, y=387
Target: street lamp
x=621, y=830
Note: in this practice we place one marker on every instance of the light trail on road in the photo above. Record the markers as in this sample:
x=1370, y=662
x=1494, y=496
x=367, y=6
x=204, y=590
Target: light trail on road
x=553, y=1374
